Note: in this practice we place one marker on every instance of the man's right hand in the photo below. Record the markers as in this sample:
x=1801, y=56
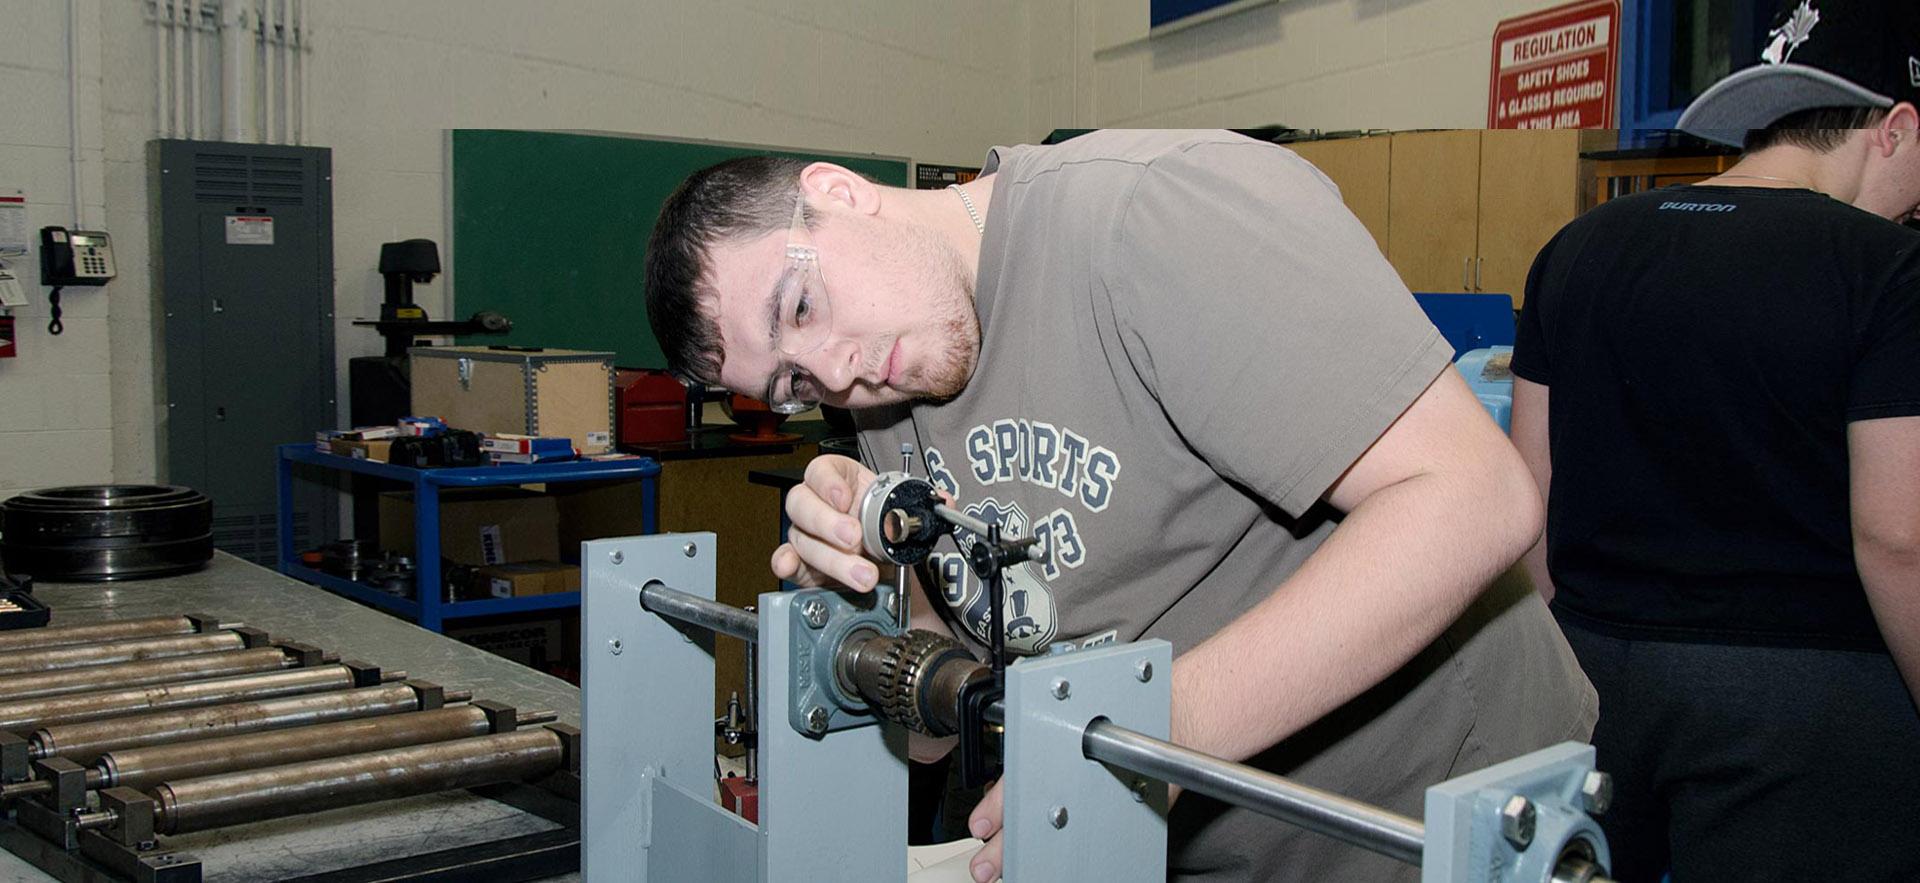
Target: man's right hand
x=823, y=546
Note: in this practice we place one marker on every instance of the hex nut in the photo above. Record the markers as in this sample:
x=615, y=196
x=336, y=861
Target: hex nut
x=1517, y=818
x=815, y=613
x=1596, y=792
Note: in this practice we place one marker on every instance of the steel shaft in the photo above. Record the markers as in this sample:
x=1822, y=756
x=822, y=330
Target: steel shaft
x=116, y=630
x=694, y=610
x=1369, y=827
x=83, y=743
x=199, y=666
x=189, y=805
x=75, y=707
x=47, y=659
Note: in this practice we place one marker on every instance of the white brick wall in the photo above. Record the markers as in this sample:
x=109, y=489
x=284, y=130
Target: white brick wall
x=56, y=414
x=936, y=80
x=1323, y=64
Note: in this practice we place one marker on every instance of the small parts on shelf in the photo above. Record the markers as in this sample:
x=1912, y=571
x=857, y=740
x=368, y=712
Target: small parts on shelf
x=450, y=447
x=428, y=443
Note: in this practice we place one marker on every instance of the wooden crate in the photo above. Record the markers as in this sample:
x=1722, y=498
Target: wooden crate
x=526, y=391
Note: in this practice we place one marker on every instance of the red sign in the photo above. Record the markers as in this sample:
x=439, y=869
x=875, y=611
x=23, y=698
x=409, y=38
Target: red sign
x=1555, y=69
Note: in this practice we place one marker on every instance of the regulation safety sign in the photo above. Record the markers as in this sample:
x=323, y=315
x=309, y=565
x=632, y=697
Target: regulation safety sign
x=1556, y=69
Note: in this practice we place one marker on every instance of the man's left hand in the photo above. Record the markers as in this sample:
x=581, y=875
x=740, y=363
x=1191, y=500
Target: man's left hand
x=984, y=823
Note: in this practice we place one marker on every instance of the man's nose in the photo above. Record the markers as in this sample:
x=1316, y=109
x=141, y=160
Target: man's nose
x=836, y=365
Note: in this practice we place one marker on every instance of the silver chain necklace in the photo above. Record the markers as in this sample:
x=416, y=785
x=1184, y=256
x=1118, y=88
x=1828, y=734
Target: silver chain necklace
x=978, y=225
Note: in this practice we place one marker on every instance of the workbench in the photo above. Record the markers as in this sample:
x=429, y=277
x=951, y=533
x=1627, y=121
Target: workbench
x=286, y=608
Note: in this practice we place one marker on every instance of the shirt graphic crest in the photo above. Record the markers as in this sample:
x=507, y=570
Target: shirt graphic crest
x=1031, y=620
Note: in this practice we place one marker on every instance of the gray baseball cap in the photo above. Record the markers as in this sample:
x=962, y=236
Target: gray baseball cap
x=1820, y=53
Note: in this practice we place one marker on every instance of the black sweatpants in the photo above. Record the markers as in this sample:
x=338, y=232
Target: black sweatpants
x=1754, y=763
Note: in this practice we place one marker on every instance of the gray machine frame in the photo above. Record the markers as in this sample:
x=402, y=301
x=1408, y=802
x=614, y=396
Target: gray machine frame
x=833, y=797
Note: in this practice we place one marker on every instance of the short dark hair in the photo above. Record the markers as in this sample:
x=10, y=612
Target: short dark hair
x=1820, y=129
x=731, y=201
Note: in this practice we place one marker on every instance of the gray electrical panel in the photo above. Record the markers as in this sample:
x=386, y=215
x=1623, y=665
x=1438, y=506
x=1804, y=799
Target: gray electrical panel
x=243, y=257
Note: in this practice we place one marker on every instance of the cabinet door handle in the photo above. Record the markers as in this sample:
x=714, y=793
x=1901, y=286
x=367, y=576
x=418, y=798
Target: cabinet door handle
x=1478, y=265
x=1466, y=267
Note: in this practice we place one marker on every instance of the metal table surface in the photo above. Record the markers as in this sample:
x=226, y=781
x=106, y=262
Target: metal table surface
x=286, y=608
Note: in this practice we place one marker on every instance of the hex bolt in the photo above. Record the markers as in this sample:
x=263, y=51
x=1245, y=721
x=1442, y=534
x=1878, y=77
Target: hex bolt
x=1062, y=689
x=690, y=549
x=1516, y=821
x=892, y=603
x=1057, y=816
x=614, y=645
x=1596, y=792
x=616, y=556
x=816, y=720
x=1143, y=670
x=815, y=613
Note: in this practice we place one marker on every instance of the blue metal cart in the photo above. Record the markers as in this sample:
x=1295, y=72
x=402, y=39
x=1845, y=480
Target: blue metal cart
x=427, y=608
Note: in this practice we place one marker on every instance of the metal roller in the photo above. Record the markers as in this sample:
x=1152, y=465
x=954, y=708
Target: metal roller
x=84, y=742
x=116, y=630
x=75, y=707
x=75, y=656
x=198, y=667
x=143, y=768
x=189, y=805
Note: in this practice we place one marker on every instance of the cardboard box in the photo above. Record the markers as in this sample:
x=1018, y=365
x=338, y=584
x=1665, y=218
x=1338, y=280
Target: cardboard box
x=519, y=390
x=529, y=578
x=544, y=640
x=527, y=444
x=376, y=451
x=479, y=526
x=591, y=510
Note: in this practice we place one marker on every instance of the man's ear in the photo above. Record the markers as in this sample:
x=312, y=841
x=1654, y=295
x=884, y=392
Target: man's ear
x=829, y=185
x=1900, y=127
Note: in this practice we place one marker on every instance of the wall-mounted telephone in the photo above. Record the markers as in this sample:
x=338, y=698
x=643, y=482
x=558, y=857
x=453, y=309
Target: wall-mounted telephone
x=73, y=257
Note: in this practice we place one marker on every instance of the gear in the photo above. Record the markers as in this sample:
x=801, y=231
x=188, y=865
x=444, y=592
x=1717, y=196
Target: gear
x=904, y=669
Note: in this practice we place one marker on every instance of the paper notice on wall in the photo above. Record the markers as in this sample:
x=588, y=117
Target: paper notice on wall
x=14, y=231
x=249, y=230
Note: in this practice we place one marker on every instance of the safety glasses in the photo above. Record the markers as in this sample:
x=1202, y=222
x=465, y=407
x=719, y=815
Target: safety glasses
x=800, y=319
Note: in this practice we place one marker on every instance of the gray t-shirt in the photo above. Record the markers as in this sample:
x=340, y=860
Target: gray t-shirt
x=1186, y=339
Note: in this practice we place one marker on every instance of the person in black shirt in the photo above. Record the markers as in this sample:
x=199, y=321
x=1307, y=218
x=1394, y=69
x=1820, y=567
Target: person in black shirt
x=1718, y=390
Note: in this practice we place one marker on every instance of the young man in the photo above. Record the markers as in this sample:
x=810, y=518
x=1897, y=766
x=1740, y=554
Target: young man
x=1176, y=359
x=1718, y=391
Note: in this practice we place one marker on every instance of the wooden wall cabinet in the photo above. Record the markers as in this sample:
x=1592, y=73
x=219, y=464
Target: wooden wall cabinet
x=1360, y=168
x=1460, y=210
x=713, y=494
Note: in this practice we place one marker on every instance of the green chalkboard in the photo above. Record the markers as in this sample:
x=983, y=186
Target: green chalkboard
x=551, y=230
